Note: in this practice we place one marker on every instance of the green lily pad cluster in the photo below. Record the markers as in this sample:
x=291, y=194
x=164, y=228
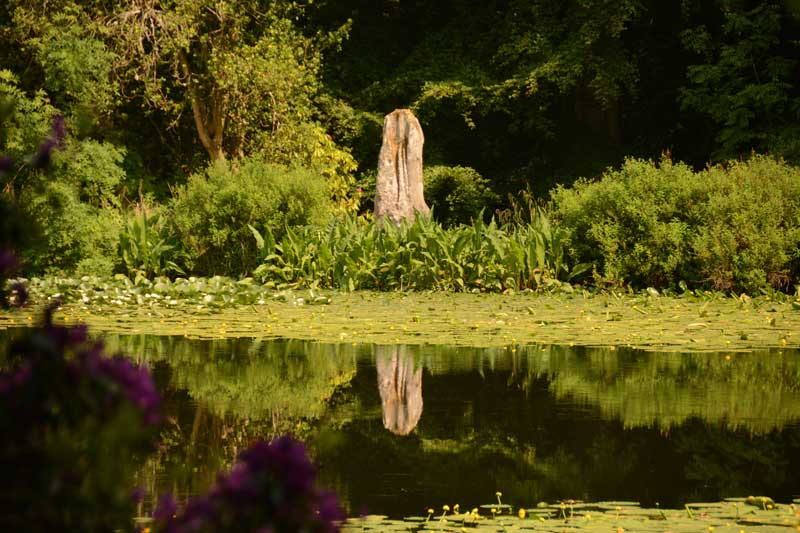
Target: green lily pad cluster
x=181, y=293
x=216, y=307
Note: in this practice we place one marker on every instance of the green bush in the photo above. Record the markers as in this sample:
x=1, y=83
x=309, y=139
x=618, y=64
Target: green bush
x=75, y=237
x=212, y=212
x=733, y=227
x=76, y=209
x=457, y=194
x=74, y=203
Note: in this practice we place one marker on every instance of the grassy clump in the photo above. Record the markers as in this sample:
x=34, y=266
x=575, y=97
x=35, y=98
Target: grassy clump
x=355, y=254
x=733, y=227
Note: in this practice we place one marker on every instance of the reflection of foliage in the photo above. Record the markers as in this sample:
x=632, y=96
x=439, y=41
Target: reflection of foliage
x=251, y=379
x=754, y=392
x=492, y=420
x=725, y=466
x=757, y=392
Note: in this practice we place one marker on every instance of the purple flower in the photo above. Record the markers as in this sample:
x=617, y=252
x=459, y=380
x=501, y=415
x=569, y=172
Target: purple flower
x=137, y=494
x=58, y=130
x=41, y=158
x=270, y=488
x=6, y=164
x=165, y=509
x=329, y=509
x=237, y=482
x=135, y=382
x=288, y=457
x=8, y=262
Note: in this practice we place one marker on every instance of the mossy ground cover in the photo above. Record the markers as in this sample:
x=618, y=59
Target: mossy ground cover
x=219, y=307
x=740, y=515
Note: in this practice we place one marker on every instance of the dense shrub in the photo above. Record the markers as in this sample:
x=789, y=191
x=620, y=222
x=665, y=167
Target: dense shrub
x=74, y=204
x=212, y=211
x=76, y=209
x=728, y=227
x=456, y=194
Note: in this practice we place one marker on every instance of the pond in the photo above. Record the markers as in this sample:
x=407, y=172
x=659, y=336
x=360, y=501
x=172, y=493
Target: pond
x=398, y=429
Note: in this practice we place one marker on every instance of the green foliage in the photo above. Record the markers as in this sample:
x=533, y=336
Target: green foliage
x=734, y=227
x=94, y=169
x=76, y=209
x=211, y=213
x=245, y=70
x=457, y=194
x=145, y=245
x=74, y=205
x=745, y=82
x=73, y=236
x=76, y=65
x=354, y=254
x=307, y=145
x=25, y=120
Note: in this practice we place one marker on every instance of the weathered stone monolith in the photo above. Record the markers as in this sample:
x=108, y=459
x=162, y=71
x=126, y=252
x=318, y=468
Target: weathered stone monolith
x=400, y=387
x=398, y=190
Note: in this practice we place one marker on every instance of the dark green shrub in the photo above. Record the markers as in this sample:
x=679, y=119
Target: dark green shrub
x=74, y=236
x=727, y=227
x=76, y=210
x=211, y=213
x=456, y=194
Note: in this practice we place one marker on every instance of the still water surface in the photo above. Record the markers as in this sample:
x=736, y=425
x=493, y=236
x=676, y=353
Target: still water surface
x=398, y=429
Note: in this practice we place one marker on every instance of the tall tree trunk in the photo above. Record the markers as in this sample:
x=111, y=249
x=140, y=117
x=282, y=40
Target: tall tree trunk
x=210, y=131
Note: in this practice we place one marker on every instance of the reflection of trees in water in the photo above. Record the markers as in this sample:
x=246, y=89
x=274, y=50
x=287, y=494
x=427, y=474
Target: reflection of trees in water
x=281, y=381
x=400, y=386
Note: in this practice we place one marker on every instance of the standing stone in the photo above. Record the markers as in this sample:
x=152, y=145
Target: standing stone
x=398, y=190
x=400, y=387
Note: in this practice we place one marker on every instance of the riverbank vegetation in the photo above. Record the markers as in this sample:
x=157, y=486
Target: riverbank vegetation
x=606, y=147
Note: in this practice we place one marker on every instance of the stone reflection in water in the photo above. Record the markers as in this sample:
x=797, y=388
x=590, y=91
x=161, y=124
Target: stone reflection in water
x=400, y=386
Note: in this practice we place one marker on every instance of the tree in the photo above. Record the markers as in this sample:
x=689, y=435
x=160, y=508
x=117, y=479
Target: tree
x=244, y=71
x=745, y=79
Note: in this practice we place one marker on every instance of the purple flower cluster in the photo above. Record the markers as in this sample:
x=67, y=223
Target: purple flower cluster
x=103, y=381
x=70, y=414
x=135, y=382
x=270, y=488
